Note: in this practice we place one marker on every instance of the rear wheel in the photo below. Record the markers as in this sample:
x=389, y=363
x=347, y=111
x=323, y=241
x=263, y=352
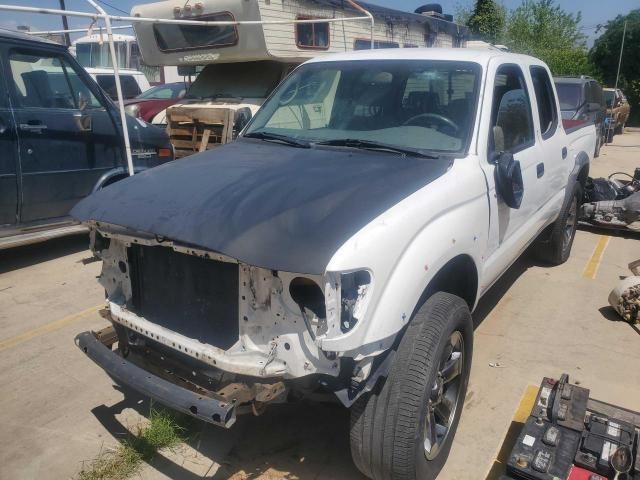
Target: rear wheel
x=596, y=153
x=404, y=429
x=554, y=244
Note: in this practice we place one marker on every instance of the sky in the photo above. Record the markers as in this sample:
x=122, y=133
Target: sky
x=593, y=11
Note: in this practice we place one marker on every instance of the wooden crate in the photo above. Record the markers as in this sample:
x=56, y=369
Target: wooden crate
x=196, y=129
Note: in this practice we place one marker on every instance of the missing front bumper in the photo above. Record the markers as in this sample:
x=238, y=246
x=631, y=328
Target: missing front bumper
x=211, y=410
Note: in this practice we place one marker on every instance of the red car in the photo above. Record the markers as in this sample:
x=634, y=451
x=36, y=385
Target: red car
x=148, y=104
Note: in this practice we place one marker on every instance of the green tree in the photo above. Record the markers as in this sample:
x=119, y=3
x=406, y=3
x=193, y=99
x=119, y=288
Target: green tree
x=487, y=20
x=606, y=52
x=543, y=29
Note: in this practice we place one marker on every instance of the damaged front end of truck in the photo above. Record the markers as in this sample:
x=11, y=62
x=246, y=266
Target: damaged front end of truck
x=213, y=337
x=218, y=276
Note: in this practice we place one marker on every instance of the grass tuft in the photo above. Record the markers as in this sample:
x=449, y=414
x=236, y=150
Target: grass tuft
x=166, y=430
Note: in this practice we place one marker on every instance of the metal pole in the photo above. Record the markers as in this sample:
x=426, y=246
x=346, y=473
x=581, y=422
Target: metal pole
x=77, y=30
x=611, y=125
x=65, y=24
x=116, y=71
x=624, y=33
x=369, y=16
x=172, y=21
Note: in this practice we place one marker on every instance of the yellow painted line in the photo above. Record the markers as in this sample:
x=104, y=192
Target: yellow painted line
x=47, y=328
x=520, y=416
x=591, y=269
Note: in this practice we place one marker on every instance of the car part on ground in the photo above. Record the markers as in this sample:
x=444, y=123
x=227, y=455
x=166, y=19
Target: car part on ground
x=597, y=444
x=612, y=202
x=625, y=297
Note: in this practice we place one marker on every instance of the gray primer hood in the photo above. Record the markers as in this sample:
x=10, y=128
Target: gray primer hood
x=265, y=204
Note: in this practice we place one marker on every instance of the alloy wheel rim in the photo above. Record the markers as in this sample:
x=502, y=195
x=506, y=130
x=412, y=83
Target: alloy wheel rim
x=442, y=404
x=570, y=225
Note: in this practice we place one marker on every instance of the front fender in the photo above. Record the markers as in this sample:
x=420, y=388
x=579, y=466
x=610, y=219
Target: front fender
x=459, y=230
x=115, y=173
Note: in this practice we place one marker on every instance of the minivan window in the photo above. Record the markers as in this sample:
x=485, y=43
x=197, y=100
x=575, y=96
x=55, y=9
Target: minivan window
x=48, y=81
x=511, y=111
x=545, y=100
x=420, y=105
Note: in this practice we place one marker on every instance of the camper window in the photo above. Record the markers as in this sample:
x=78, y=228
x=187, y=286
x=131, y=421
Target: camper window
x=362, y=44
x=312, y=35
x=177, y=37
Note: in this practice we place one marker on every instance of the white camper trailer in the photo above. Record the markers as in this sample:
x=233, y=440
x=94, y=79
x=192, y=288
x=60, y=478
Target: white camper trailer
x=244, y=62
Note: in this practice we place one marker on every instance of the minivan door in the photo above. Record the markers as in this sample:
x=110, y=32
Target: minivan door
x=68, y=138
x=8, y=159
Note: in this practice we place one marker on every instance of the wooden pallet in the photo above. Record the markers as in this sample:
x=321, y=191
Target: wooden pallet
x=196, y=129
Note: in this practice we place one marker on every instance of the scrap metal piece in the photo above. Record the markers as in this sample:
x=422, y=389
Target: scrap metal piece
x=625, y=299
x=212, y=410
x=620, y=214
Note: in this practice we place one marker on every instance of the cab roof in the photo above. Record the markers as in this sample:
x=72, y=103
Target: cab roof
x=475, y=55
x=15, y=35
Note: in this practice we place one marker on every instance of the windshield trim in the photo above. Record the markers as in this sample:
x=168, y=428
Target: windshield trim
x=476, y=67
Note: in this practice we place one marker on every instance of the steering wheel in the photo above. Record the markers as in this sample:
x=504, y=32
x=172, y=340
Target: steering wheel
x=433, y=116
x=291, y=93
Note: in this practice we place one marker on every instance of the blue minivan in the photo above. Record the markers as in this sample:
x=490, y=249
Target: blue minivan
x=60, y=139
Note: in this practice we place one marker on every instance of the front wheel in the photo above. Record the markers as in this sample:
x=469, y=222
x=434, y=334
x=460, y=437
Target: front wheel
x=404, y=429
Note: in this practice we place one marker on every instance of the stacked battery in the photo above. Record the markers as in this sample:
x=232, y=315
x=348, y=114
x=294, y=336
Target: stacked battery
x=562, y=440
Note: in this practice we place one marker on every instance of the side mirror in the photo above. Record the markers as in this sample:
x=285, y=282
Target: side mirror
x=508, y=176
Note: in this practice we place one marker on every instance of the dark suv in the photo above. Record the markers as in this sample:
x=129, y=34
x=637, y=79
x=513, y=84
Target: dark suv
x=60, y=137
x=582, y=103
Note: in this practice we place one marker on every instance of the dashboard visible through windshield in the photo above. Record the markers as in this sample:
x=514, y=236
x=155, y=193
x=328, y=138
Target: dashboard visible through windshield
x=418, y=104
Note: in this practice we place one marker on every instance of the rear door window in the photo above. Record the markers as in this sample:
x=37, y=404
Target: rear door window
x=130, y=87
x=545, y=100
x=511, y=117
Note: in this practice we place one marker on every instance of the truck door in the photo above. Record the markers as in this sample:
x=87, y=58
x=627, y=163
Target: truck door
x=551, y=142
x=67, y=137
x=8, y=158
x=510, y=129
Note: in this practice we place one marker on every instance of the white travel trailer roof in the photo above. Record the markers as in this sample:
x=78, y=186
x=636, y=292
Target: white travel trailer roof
x=179, y=44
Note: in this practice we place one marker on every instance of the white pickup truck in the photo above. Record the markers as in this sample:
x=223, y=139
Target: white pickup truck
x=340, y=245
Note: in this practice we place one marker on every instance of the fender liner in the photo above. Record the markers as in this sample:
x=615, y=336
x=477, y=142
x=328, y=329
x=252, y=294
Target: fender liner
x=581, y=165
x=113, y=173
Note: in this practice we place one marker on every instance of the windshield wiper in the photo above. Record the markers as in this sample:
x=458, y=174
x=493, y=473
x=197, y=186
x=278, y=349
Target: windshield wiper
x=278, y=138
x=371, y=145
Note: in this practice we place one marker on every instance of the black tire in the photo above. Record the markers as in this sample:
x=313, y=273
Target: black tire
x=554, y=244
x=388, y=425
x=609, y=135
x=596, y=153
x=620, y=129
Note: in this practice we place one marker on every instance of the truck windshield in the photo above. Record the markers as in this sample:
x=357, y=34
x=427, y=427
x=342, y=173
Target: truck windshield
x=421, y=105
x=569, y=95
x=237, y=80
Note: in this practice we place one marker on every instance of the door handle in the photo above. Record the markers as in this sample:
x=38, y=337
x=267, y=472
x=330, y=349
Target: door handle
x=540, y=169
x=33, y=127
x=564, y=152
